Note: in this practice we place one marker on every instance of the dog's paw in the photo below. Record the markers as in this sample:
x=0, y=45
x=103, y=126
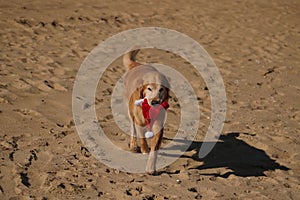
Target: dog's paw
x=152, y=173
x=135, y=150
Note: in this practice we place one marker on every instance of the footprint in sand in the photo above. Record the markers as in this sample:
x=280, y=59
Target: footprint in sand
x=21, y=84
x=47, y=86
x=27, y=112
x=3, y=100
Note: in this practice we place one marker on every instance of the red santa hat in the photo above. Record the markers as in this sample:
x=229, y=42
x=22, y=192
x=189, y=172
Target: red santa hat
x=151, y=113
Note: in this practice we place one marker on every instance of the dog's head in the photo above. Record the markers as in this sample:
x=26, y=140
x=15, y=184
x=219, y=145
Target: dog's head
x=155, y=88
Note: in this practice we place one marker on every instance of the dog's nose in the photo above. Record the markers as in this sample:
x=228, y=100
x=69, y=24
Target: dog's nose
x=154, y=102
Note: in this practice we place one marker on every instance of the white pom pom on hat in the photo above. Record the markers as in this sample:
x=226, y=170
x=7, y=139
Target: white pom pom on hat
x=149, y=134
x=139, y=102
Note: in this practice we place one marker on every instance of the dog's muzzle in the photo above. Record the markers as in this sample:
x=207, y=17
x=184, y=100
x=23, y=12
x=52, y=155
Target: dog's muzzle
x=155, y=102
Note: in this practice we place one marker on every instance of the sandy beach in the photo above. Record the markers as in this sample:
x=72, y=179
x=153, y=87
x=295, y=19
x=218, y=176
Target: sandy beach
x=256, y=47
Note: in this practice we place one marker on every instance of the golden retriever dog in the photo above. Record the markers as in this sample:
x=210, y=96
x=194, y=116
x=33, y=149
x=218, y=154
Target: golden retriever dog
x=144, y=81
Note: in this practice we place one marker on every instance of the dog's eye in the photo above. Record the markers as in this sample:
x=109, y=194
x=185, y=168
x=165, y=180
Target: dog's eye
x=161, y=89
x=149, y=89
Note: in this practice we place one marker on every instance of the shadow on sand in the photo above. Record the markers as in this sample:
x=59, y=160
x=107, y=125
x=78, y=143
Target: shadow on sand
x=232, y=153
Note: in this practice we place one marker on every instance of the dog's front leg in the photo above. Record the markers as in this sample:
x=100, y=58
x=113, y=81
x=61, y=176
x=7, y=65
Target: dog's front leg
x=133, y=143
x=155, y=145
x=141, y=134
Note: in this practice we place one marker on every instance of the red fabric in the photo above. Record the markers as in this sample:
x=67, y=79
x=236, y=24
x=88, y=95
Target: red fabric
x=151, y=113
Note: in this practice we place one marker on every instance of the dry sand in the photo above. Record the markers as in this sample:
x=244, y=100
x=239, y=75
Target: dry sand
x=256, y=46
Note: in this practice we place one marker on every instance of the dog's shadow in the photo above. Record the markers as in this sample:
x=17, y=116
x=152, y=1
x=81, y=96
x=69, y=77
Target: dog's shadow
x=234, y=154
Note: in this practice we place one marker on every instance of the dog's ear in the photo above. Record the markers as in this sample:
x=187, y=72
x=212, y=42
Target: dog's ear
x=139, y=87
x=141, y=92
x=166, y=82
x=169, y=81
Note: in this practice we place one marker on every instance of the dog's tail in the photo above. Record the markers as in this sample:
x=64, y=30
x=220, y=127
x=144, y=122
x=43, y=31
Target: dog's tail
x=129, y=59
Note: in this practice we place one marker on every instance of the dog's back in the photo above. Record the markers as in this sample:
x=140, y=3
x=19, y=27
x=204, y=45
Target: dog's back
x=135, y=73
